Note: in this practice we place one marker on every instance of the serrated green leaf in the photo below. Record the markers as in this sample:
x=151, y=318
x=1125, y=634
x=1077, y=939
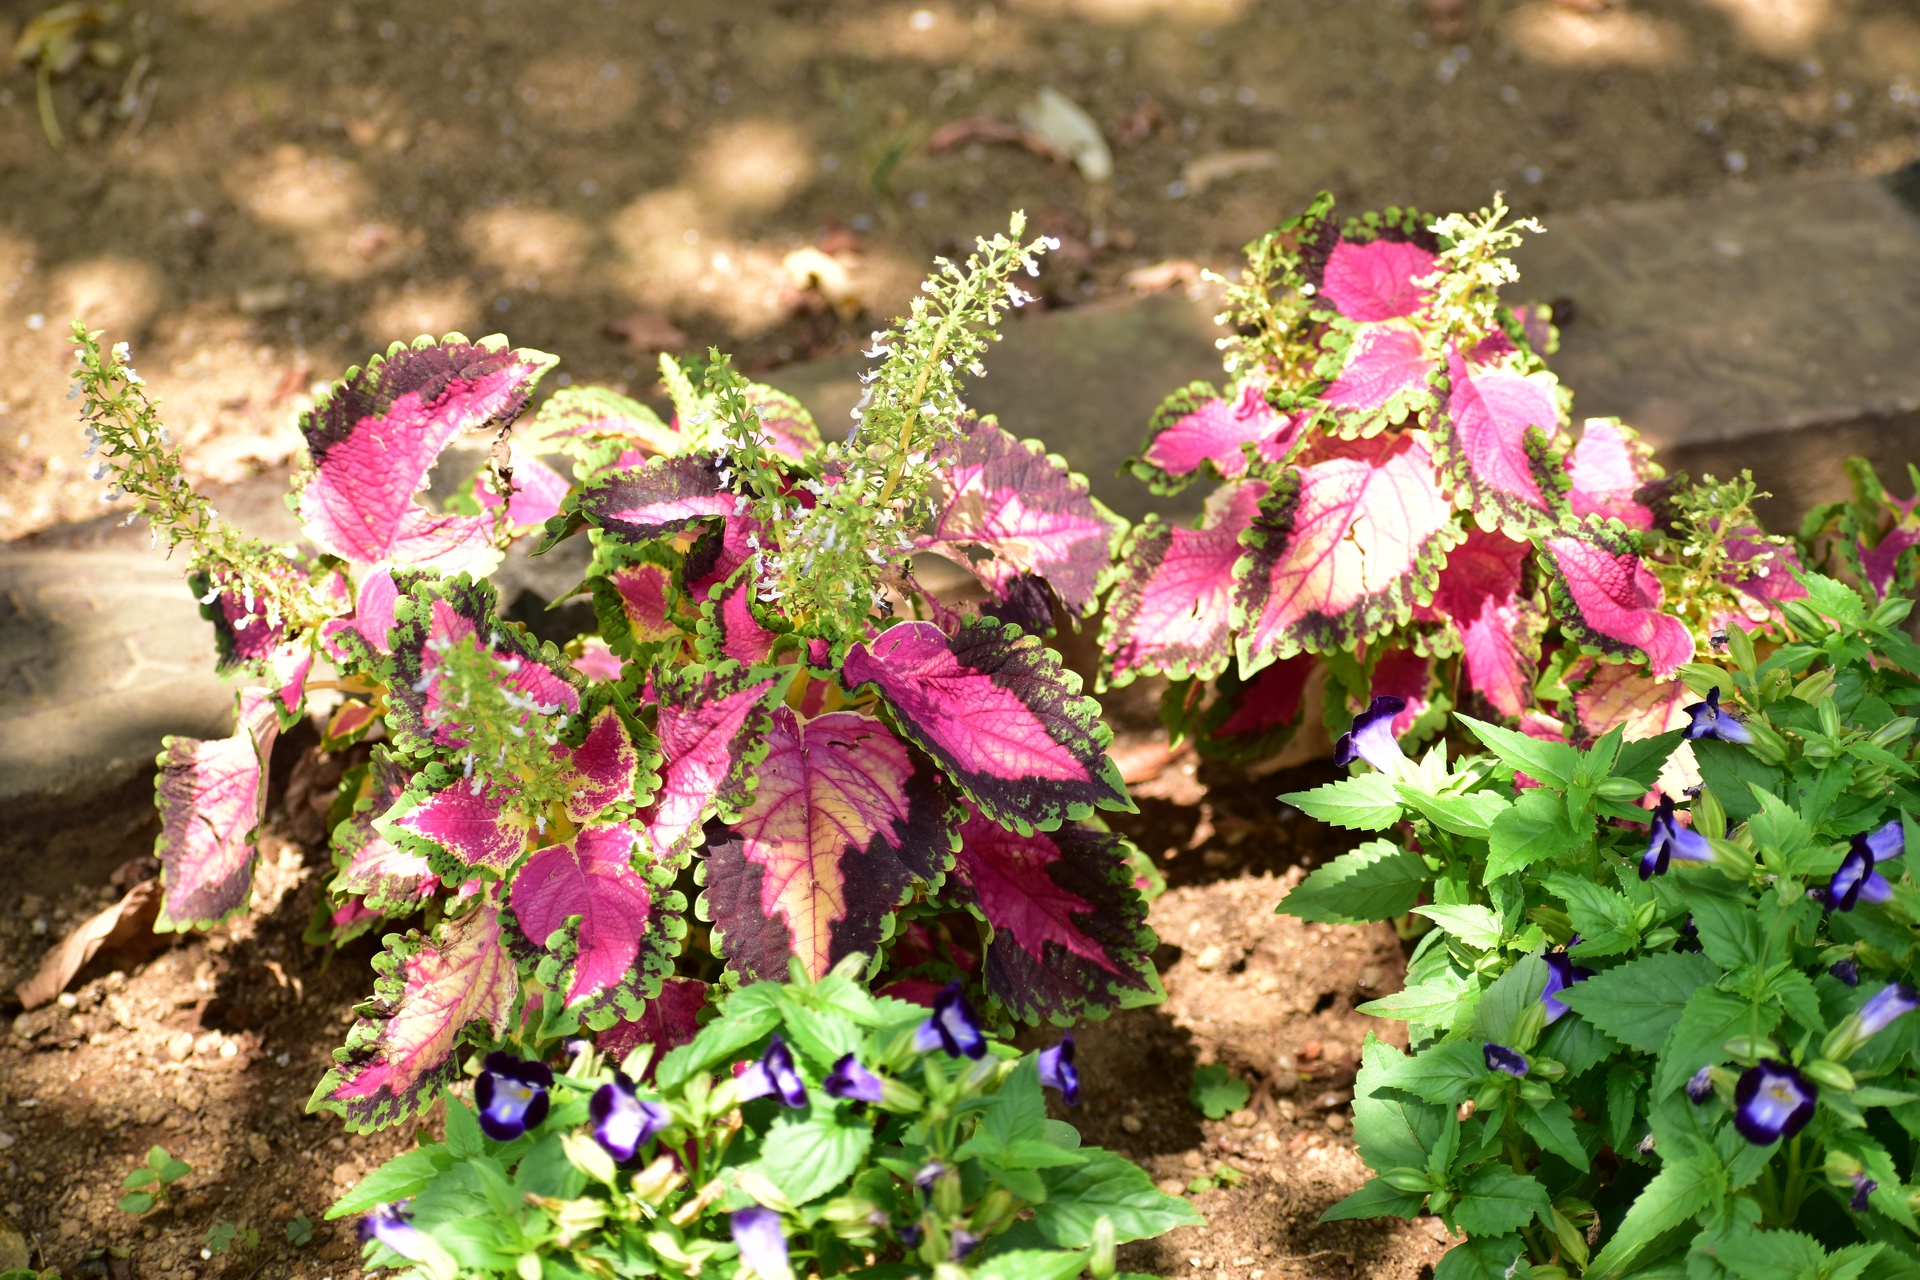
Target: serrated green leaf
x=1375, y=1199
x=1446, y=1074
x=807, y=1156
x=1681, y=1189
x=1108, y=1185
x=1469, y=815
x=1576, y=1044
x=1643, y=758
x=397, y=1179
x=1364, y=802
x=1033, y=1264
x=1392, y=1131
x=1216, y=1091
x=1768, y=1255
x=1552, y=763
x=1709, y=1020
x=1481, y=1258
x=1495, y=1200
x=1729, y=930
x=1602, y=917
x=1535, y=828
x=1473, y=924
x=1510, y=995
x=1440, y=1001
x=1552, y=1127
x=1732, y=770
x=1637, y=1003
x=1377, y=881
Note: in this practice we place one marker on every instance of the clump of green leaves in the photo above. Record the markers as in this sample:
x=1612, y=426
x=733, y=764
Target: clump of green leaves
x=224, y=1237
x=1216, y=1091
x=152, y=1182
x=299, y=1231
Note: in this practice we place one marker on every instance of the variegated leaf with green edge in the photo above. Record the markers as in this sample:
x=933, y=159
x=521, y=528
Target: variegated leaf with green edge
x=654, y=500
x=433, y=994
x=637, y=598
x=212, y=797
x=1608, y=602
x=1196, y=427
x=599, y=429
x=712, y=725
x=735, y=625
x=1243, y=721
x=1497, y=438
x=390, y=879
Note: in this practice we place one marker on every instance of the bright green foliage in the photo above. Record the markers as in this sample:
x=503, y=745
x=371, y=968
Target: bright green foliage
x=1216, y=1091
x=150, y=1184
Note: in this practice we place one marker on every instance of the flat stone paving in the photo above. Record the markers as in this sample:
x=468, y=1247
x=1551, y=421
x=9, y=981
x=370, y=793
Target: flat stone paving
x=1721, y=327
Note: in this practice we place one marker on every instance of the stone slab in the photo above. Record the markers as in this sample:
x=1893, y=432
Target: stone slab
x=1759, y=309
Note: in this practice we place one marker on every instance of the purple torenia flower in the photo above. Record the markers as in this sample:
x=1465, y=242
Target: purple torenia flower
x=1671, y=840
x=1847, y=970
x=774, y=1074
x=952, y=1027
x=1562, y=973
x=1371, y=736
x=763, y=1245
x=964, y=1243
x=1863, y=1186
x=1700, y=1085
x=622, y=1121
x=1709, y=721
x=1893, y=1000
x=512, y=1094
x=1771, y=1102
x=851, y=1080
x=927, y=1174
x=1057, y=1071
x=389, y=1225
x=1501, y=1058
x=1856, y=879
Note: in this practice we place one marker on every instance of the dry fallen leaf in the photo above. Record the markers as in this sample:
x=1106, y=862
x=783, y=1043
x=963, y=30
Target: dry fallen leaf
x=1065, y=125
x=1165, y=274
x=1203, y=171
x=646, y=331
x=122, y=922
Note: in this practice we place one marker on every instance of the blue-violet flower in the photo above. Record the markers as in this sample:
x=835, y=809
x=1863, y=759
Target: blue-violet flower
x=1562, y=973
x=774, y=1074
x=1671, y=840
x=389, y=1225
x=1893, y=1000
x=763, y=1245
x=849, y=1079
x=1856, y=879
x=512, y=1094
x=1847, y=970
x=1863, y=1186
x=1057, y=1071
x=1700, y=1085
x=1501, y=1058
x=1709, y=721
x=622, y=1121
x=1371, y=737
x=952, y=1027
x=1771, y=1102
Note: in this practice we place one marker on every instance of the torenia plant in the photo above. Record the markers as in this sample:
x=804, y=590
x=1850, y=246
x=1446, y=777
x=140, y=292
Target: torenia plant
x=775, y=748
x=1403, y=504
x=811, y=1129
x=1663, y=1043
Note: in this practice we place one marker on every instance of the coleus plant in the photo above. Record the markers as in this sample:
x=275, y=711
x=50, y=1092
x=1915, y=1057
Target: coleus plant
x=778, y=748
x=1655, y=1044
x=1401, y=505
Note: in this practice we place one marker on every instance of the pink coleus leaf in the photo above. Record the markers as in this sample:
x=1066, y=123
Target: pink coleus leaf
x=388, y=879
x=730, y=628
x=713, y=725
x=538, y=491
x=655, y=500
x=1762, y=569
x=1607, y=695
x=602, y=769
x=1069, y=931
x=1496, y=470
x=598, y=661
x=433, y=993
x=376, y=434
x=245, y=633
x=596, y=425
x=1171, y=607
x=211, y=796
x=845, y=821
x=344, y=923
x=995, y=709
x=1375, y=279
x=1005, y=507
x=1196, y=426
x=1610, y=603
x=717, y=554
x=1407, y=675
x=1342, y=549
x=670, y=1020
x=1479, y=595
x=1246, y=720
x=635, y=594
x=1381, y=373
x=1880, y=563
x=462, y=825
x=787, y=427
x=355, y=640
x=1606, y=468
x=435, y=611
x=290, y=665
x=612, y=957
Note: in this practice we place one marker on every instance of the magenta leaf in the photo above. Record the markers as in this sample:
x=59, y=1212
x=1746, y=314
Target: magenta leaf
x=376, y=434
x=1608, y=602
x=787, y=427
x=361, y=640
x=718, y=552
x=1381, y=374
x=995, y=709
x=731, y=627
x=611, y=934
x=1374, y=279
x=1606, y=467
x=713, y=726
x=1068, y=929
x=845, y=821
x=1405, y=674
x=244, y=634
x=595, y=426
x=603, y=769
x=1763, y=569
x=1479, y=595
x=211, y=796
x=1485, y=435
x=459, y=825
x=1608, y=695
x=1245, y=720
x=433, y=994
x=1880, y=563
x=1005, y=507
x=1342, y=549
x=670, y=1020
x=1171, y=608
x=433, y=611
x=655, y=500
x=636, y=594
x=538, y=490
x=388, y=879
x=1196, y=425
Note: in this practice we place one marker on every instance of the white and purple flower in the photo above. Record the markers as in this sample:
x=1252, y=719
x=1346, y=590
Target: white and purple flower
x=621, y=1120
x=763, y=1245
x=1772, y=1102
x=773, y=1074
x=1057, y=1071
x=389, y=1224
x=1500, y=1058
x=953, y=1026
x=1856, y=878
x=849, y=1079
x=1370, y=737
x=1863, y=1186
x=1894, y=1000
x=1709, y=721
x=1846, y=970
x=1671, y=840
x=1700, y=1086
x=1562, y=973
x=512, y=1095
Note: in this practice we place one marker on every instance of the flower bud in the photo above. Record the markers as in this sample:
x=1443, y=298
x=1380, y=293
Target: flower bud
x=1659, y=938
x=653, y=1184
x=589, y=1157
x=1623, y=789
x=1537, y=1092
x=1412, y=1181
x=1749, y=1049
x=1547, y=1069
x=1101, y=1261
x=1830, y=1074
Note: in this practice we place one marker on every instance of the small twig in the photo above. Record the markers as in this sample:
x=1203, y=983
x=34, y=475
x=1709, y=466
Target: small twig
x=43, y=93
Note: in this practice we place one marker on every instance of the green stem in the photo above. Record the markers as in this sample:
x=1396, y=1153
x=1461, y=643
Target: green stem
x=43, y=93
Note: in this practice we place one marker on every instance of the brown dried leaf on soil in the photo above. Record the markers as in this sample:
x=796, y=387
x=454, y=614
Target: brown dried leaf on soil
x=123, y=922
